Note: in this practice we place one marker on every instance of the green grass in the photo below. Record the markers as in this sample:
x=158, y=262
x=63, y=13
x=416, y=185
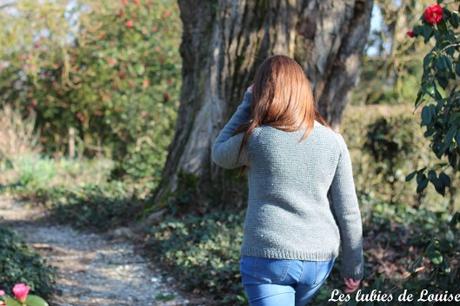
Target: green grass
x=25, y=175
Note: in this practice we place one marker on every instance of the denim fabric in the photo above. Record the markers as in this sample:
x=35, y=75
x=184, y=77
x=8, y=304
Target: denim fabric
x=282, y=282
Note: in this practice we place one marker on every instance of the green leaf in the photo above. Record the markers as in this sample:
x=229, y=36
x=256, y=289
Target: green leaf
x=444, y=178
x=35, y=300
x=455, y=219
x=426, y=115
x=452, y=159
x=411, y=175
x=450, y=50
x=422, y=182
x=454, y=118
x=430, y=90
x=420, y=176
x=427, y=61
x=457, y=69
x=437, y=94
x=449, y=137
x=442, y=80
x=439, y=186
x=426, y=31
x=442, y=27
x=432, y=175
x=417, y=30
x=436, y=257
x=11, y=301
x=454, y=20
x=420, y=95
x=447, y=63
x=440, y=63
x=422, y=185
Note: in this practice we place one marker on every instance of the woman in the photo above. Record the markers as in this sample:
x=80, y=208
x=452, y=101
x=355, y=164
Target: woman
x=302, y=204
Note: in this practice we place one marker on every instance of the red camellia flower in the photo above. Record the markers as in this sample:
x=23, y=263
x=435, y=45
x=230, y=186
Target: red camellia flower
x=433, y=14
x=129, y=23
x=410, y=33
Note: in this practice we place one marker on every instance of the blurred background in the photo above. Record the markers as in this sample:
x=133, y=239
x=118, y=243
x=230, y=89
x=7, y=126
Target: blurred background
x=108, y=110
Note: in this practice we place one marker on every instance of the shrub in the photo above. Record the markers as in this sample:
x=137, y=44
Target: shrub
x=18, y=263
x=92, y=207
x=386, y=144
x=111, y=89
x=389, y=143
x=204, y=252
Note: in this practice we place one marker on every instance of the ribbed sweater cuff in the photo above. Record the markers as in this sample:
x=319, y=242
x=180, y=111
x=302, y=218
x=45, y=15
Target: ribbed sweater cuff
x=356, y=274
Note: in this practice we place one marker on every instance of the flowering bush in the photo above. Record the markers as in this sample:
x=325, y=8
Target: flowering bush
x=440, y=93
x=109, y=84
x=21, y=297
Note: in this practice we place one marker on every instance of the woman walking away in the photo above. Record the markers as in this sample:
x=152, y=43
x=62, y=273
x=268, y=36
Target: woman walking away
x=302, y=203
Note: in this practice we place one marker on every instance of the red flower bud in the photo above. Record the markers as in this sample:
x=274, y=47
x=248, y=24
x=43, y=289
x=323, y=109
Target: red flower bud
x=410, y=33
x=433, y=14
x=21, y=291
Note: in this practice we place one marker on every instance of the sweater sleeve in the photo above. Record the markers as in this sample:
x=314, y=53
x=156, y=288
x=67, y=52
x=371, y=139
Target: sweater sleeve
x=346, y=210
x=224, y=151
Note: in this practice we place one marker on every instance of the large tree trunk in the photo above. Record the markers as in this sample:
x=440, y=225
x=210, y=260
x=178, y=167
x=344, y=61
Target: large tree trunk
x=223, y=42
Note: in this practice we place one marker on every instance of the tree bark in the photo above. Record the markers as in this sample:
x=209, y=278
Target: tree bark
x=223, y=42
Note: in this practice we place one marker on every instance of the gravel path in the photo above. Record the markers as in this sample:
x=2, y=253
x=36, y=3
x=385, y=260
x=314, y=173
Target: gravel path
x=93, y=269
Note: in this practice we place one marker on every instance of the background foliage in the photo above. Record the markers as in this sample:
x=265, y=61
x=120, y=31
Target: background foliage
x=107, y=72
x=91, y=89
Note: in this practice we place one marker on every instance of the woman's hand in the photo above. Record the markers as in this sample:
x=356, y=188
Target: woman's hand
x=351, y=285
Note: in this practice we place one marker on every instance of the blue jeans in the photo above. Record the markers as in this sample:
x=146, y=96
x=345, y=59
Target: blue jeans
x=276, y=282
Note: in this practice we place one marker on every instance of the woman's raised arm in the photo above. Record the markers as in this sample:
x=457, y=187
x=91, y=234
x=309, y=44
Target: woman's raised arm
x=225, y=148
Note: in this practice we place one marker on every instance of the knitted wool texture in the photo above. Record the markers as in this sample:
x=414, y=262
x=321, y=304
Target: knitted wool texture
x=302, y=202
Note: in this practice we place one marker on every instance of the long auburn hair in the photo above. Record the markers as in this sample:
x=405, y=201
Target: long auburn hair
x=282, y=98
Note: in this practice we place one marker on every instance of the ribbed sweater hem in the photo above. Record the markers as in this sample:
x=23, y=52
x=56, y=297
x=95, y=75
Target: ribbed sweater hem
x=288, y=254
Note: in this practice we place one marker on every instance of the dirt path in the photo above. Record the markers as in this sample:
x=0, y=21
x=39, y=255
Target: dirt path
x=93, y=269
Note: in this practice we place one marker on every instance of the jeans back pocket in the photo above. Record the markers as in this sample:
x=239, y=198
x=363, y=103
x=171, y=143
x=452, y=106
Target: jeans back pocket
x=256, y=270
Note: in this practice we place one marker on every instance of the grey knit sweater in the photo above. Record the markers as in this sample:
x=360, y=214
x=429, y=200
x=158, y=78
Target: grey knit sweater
x=302, y=202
